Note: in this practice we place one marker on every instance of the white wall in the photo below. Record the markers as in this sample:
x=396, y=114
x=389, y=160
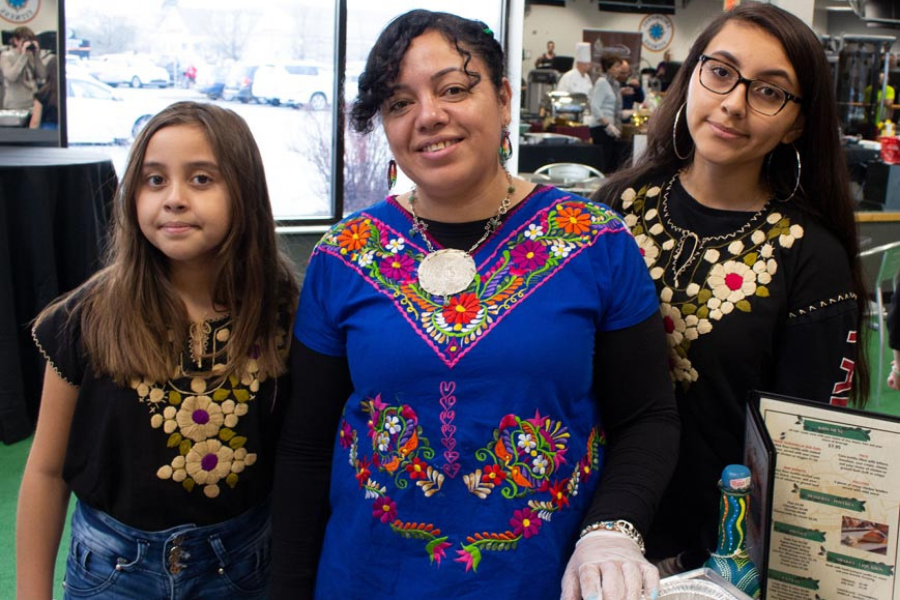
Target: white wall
x=564, y=26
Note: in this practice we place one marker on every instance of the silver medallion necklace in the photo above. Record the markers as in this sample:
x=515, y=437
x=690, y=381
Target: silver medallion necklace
x=450, y=271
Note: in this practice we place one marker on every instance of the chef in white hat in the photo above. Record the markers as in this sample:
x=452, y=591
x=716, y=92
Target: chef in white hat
x=578, y=80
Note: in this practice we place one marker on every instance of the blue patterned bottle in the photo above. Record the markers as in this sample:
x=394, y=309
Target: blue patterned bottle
x=730, y=560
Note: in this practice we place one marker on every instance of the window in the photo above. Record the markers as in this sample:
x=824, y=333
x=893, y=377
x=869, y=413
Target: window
x=272, y=63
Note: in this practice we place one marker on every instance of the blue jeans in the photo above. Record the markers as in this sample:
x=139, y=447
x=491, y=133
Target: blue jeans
x=107, y=559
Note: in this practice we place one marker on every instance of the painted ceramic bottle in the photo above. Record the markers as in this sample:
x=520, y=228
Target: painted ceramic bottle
x=730, y=560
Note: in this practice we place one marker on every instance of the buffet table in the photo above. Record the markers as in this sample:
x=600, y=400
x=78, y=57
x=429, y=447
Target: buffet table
x=55, y=206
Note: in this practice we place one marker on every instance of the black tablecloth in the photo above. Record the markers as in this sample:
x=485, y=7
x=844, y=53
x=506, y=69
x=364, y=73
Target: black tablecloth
x=55, y=205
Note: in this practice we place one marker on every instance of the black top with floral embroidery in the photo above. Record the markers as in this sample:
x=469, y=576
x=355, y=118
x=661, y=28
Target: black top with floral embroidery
x=751, y=301
x=159, y=454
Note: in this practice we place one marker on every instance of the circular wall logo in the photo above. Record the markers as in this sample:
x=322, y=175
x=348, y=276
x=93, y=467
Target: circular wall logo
x=656, y=32
x=19, y=11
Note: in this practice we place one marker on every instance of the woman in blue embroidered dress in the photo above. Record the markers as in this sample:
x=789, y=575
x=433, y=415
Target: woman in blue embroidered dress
x=159, y=406
x=742, y=210
x=461, y=410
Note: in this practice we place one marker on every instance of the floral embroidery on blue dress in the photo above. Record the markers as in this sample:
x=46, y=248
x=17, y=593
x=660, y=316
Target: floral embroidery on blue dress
x=525, y=457
x=530, y=256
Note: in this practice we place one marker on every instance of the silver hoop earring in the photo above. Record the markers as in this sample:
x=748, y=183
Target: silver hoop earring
x=675, y=135
x=799, y=173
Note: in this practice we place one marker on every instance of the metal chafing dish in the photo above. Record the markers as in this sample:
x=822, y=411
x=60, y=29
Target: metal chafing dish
x=14, y=118
x=567, y=105
x=699, y=584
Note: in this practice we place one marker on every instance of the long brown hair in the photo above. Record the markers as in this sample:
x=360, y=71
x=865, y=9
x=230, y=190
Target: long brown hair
x=824, y=185
x=134, y=324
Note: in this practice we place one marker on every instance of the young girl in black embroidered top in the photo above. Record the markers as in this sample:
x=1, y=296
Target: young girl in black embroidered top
x=159, y=405
x=743, y=212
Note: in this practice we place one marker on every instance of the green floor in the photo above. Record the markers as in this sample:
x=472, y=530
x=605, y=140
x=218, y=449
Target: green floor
x=12, y=462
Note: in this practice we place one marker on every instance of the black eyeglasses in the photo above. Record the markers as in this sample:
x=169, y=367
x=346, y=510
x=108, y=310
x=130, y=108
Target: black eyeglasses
x=763, y=97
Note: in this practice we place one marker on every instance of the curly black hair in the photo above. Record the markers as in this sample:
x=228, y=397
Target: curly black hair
x=383, y=65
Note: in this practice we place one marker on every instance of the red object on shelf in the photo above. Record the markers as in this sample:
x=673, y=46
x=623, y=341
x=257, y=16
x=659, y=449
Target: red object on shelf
x=890, y=150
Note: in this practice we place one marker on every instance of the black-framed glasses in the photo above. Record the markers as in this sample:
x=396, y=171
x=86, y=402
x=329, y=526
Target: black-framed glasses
x=763, y=97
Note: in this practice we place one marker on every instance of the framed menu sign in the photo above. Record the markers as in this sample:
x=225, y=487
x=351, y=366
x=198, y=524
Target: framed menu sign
x=834, y=514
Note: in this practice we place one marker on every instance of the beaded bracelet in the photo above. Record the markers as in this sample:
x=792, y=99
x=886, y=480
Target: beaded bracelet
x=621, y=526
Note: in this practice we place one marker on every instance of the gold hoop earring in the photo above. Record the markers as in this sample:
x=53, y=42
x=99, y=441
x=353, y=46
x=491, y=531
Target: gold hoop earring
x=675, y=135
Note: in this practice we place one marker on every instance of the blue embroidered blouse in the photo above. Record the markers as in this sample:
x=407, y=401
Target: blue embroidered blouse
x=471, y=446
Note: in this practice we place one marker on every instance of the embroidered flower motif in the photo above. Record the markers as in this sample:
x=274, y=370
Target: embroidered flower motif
x=657, y=229
x=417, y=469
x=732, y=281
x=364, y=259
x=175, y=470
x=493, y=474
x=354, y=236
x=692, y=289
x=166, y=420
x=648, y=248
x=795, y=232
x=668, y=244
x=673, y=323
x=362, y=471
x=392, y=425
x=242, y=459
x=767, y=250
x=539, y=465
x=681, y=368
x=559, y=493
x=526, y=442
x=384, y=509
x=461, y=309
x=711, y=255
x=398, y=267
x=650, y=214
x=773, y=218
x=534, y=231
x=758, y=237
x=653, y=192
x=396, y=245
x=561, y=248
x=383, y=441
x=529, y=256
x=572, y=219
x=199, y=418
x=525, y=523
x=695, y=327
x=346, y=435
x=207, y=463
x=628, y=197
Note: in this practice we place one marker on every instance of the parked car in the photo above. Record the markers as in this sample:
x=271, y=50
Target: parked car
x=212, y=82
x=294, y=84
x=95, y=114
x=134, y=70
x=239, y=83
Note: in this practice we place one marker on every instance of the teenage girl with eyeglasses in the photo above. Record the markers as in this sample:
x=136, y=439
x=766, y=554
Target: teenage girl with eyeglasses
x=742, y=209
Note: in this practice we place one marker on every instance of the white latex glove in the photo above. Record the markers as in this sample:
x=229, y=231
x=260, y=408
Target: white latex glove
x=607, y=565
x=613, y=131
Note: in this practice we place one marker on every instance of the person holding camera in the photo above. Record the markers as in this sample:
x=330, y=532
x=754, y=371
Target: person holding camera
x=23, y=70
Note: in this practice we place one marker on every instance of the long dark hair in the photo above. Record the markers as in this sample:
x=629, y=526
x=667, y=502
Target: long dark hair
x=383, y=65
x=824, y=185
x=134, y=324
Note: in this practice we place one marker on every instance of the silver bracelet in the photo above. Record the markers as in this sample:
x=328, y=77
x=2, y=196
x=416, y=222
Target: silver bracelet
x=621, y=526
